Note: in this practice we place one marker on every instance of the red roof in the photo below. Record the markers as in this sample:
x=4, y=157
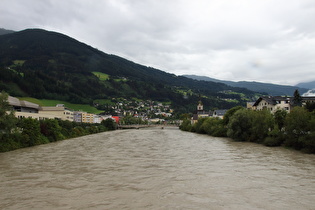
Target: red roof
x=116, y=118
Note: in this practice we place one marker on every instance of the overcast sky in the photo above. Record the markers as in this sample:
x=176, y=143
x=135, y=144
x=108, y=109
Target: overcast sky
x=252, y=40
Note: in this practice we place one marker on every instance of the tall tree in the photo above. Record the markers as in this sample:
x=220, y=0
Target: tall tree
x=7, y=119
x=297, y=127
x=297, y=98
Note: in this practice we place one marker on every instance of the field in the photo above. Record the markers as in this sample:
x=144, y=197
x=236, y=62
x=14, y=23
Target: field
x=101, y=75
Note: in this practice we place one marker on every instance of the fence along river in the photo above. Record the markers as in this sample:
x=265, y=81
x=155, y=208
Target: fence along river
x=156, y=169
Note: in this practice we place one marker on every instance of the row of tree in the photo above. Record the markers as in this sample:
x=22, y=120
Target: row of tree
x=18, y=133
x=294, y=130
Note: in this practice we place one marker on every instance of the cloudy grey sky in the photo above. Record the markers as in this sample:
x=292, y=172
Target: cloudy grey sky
x=252, y=40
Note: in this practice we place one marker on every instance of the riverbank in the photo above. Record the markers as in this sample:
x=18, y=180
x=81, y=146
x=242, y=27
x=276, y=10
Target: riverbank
x=30, y=132
x=295, y=130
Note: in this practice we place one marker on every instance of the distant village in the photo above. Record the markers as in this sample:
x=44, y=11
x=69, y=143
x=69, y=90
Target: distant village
x=153, y=112
x=150, y=111
x=271, y=103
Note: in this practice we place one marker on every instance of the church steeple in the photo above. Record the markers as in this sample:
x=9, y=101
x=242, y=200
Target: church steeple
x=200, y=106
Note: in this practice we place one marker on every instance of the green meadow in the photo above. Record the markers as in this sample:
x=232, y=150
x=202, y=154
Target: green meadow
x=101, y=75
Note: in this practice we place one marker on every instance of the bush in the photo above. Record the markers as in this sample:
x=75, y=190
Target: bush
x=198, y=126
x=272, y=141
x=51, y=129
x=275, y=138
x=214, y=127
x=298, y=128
x=186, y=125
x=262, y=122
x=109, y=124
x=239, y=127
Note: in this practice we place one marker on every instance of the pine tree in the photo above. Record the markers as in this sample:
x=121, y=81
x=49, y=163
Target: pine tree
x=297, y=98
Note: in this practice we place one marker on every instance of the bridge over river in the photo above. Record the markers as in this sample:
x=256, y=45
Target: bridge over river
x=138, y=126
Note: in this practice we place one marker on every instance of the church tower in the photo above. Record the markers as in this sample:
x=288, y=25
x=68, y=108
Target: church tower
x=200, y=107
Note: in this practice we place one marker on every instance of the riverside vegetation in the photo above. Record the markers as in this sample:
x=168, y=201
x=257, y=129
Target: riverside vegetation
x=26, y=132
x=293, y=130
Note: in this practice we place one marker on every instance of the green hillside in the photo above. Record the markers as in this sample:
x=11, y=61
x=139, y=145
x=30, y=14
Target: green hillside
x=48, y=65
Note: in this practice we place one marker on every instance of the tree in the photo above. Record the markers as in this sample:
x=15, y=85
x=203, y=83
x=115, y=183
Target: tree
x=7, y=119
x=239, y=127
x=109, y=124
x=280, y=116
x=297, y=126
x=214, y=126
x=310, y=106
x=186, y=125
x=249, y=125
x=297, y=98
x=230, y=113
x=51, y=129
x=262, y=122
x=31, y=134
x=9, y=138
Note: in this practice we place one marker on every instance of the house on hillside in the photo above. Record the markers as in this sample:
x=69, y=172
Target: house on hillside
x=273, y=103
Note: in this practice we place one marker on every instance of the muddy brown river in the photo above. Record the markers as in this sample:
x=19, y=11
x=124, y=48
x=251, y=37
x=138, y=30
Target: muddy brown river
x=156, y=169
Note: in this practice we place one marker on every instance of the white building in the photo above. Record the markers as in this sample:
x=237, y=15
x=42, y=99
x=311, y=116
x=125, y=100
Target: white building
x=273, y=103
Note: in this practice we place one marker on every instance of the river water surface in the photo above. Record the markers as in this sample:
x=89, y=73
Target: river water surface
x=156, y=169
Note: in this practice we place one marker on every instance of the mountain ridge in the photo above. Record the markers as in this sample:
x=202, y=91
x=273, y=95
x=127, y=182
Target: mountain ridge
x=264, y=88
x=5, y=31
x=308, y=85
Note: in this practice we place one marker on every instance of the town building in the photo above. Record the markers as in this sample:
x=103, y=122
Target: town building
x=87, y=117
x=273, y=103
x=25, y=109
x=59, y=112
x=219, y=113
x=250, y=105
x=77, y=116
x=307, y=99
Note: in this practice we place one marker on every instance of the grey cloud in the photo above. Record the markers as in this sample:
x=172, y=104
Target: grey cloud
x=271, y=41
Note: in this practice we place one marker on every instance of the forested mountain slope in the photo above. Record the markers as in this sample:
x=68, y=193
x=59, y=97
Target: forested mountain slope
x=50, y=65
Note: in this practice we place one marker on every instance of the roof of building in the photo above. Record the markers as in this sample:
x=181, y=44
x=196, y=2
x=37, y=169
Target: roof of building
x=308, y=98
x=16, y=102
x=220, y=112
x=52, y=108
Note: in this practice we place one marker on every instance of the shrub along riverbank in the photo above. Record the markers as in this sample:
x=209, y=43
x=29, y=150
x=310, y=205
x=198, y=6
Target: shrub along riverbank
x=26, y=132
x=293, y=130
x=30, y=132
